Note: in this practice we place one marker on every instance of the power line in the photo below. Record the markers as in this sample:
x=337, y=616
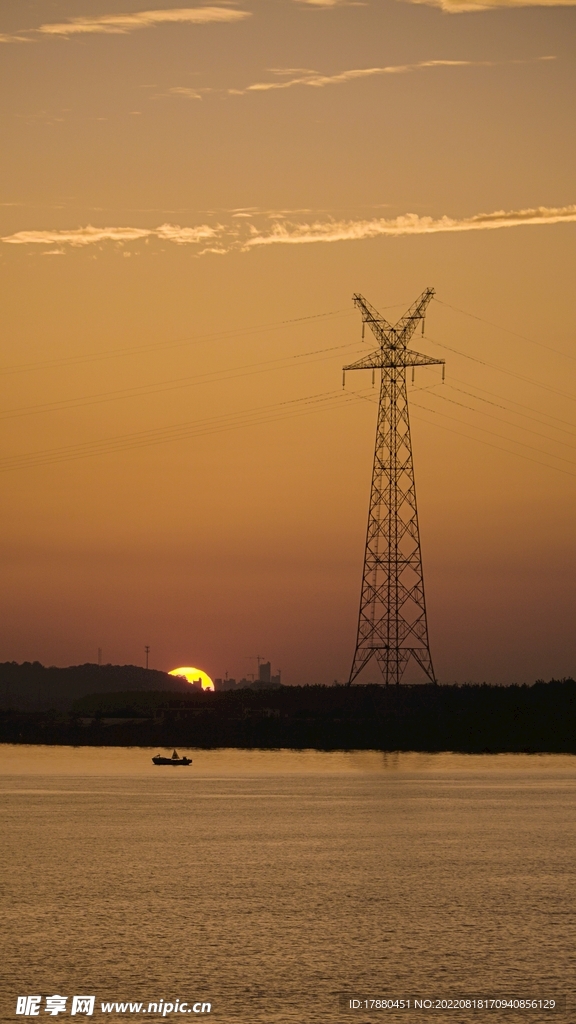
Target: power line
x=163, y=345
x=500, y=420
x=490, y=444
x=461, y=433
x=210, y=377
x=175, y=432
x=487, y=431
x=501, y=369
x=530, y=409
x=263, y=414
x=539, y=344
x=199, y=428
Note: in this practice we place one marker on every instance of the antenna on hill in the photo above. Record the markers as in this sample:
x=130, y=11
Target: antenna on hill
x=147, y=652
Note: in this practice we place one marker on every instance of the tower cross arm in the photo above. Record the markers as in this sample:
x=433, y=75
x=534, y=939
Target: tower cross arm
x=399, y=334
x=378, y=325
x=382, y=358
x=407, y=324
x=411, y=358
x=370, y=362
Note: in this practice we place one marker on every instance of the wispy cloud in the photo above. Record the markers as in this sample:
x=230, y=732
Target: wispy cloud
x=119, y=24
x=408, y=224
x=122, y=24
x=13, y=39
x=186, y=92
x=460, y=6
x=319, y=81
x=263, y=230
x=89, y=235
x=333, y=3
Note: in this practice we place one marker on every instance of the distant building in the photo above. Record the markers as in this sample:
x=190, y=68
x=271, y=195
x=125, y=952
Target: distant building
x=225, y=684
x=265, y=675
x=264, y=681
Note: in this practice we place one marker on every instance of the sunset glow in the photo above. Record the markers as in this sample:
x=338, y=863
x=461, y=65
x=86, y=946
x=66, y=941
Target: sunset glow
x=194, y=675
x=191, y=195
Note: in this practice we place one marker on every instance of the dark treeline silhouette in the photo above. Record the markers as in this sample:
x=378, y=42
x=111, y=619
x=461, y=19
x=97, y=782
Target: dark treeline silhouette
x=469, y=718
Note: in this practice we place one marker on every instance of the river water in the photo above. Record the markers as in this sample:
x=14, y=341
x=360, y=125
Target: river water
x=271, y=883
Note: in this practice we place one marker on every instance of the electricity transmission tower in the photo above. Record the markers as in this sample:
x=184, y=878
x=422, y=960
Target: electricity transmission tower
x=392, y=623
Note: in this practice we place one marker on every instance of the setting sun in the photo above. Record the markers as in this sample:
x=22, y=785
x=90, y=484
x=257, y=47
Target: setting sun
x=194, y=675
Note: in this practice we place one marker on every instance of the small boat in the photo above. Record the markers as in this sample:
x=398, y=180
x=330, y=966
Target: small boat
x=175, y=759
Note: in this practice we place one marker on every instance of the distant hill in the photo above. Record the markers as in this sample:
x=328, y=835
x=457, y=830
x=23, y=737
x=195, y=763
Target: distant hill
x=34, y=687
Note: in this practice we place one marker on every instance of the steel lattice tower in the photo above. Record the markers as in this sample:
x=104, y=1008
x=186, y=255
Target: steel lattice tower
x=392, y=623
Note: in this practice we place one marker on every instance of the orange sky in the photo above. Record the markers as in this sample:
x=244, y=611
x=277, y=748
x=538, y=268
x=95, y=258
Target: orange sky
x=189, y=198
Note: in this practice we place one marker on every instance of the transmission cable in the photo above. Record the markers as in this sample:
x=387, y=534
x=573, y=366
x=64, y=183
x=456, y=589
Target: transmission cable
x=487, y=431
x=162, y=346
x=175, y=432
x=461, y=433
x=473, y=316
x=490, y=444
x=501, y=369
x=174, y=384
x=499, y=405
x=499, y=419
